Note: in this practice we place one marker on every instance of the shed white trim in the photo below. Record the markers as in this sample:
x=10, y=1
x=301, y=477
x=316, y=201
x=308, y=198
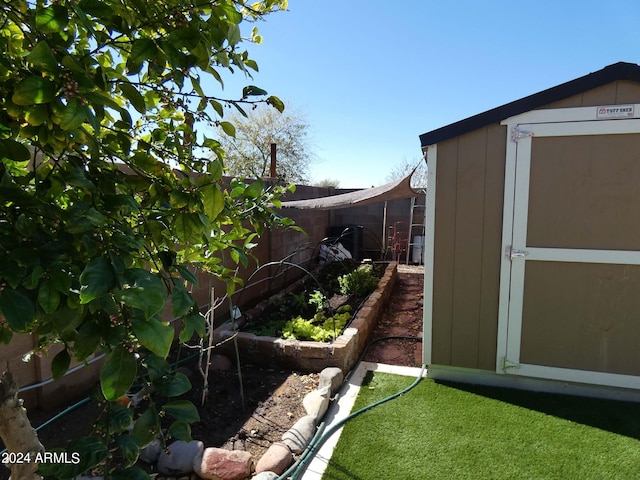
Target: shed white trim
x=429, y=253
x=555, y=115
x=484, y=377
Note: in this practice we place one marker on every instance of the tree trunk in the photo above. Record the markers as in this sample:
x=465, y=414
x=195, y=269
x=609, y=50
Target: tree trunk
x=17, y=433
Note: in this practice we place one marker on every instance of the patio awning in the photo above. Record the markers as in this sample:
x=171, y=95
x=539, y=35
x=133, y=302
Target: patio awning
x=395, y=190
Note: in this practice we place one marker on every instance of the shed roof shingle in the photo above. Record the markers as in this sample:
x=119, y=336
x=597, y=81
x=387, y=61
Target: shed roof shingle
x=611, y=73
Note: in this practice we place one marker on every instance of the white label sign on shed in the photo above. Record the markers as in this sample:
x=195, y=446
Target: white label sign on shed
x=614, y=111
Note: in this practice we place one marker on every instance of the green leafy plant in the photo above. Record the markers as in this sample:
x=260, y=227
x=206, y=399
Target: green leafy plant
x=319, y=328
x=317, y=299
x=360, y=282
x=110, y=199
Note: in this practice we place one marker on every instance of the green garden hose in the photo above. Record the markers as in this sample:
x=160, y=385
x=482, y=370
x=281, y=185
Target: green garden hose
x=318, y=440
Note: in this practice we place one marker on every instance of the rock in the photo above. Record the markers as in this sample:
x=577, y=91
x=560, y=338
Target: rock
x=179, y=456
x=221, y=464
x=331, y=377
x=316, y=402
x=151, y=453
x=276, y=459
x=220, y=362
x=266, y=476
x=300, y=434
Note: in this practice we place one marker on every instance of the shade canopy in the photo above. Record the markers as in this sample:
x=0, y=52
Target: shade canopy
x=398, y=189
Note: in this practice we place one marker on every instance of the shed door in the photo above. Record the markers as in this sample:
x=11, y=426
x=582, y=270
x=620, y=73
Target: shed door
x=574, y=255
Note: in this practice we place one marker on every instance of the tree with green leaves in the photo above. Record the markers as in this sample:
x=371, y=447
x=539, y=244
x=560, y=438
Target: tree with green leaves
x=110, y=198
x=248, y=151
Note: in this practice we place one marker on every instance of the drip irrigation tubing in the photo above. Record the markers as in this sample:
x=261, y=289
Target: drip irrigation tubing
x=71, y=370
x=298, y=468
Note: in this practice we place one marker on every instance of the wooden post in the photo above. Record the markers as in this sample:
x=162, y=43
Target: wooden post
x=272, y=169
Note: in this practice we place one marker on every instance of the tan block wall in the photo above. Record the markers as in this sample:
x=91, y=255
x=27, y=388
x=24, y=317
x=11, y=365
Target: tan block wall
x=272, y=247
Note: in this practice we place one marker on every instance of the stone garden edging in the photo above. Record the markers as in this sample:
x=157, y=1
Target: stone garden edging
x=312, y=356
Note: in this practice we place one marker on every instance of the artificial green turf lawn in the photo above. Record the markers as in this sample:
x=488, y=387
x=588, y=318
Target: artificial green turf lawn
x=439, y=431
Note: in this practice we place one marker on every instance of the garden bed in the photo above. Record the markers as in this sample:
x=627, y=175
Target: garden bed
x=305, y=355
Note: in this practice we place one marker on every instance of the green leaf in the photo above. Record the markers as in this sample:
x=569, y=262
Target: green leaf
x=157, y=367
x=194, y=322
x=154, y=335
x=60, y=364
x=146, y=292
x=228, y=128
x=141, y=50
x=233, y=34
x=73, y=115
x=120, y=418
x=188, y=226
x=217, y=106
x=252, y=64
x=33, y=90
x=255, y=189
x=13, y=150
x=36, y=115
x=146, y=428
x=181, y=301
x=17, y=308
x=173, y=385
x=180, y=430
x=238, y=256
x=134, y=96
x=130, y=448
x=42, y=57
x=118, y=373
x=182, y=410
x=96, y=279
x=187, y=274
x=251, y=90
x=276, y=103
x=52, y=19
x=49, y=296
x=87, y=341
x=213, y=200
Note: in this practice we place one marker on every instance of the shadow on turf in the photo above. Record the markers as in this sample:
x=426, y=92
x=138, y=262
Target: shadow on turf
x=614, y=416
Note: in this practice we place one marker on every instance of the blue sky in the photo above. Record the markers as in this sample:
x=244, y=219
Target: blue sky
x=371, y=76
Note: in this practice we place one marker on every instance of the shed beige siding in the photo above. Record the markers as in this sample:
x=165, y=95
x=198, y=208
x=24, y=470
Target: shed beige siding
x=468, y=234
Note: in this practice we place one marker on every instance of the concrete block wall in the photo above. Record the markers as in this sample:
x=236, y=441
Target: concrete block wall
x=272, y=247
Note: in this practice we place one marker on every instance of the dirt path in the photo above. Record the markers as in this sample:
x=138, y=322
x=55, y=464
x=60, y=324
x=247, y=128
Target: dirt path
x=402, y=317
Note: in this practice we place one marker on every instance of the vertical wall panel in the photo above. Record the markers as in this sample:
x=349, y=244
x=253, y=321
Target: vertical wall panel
x=492, y=246
x=445, y=221
x=468, y=246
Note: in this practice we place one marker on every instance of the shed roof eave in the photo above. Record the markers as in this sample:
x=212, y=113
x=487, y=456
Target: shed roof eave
x=616, y=71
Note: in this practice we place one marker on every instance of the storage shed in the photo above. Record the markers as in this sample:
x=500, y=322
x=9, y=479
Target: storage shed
x=532, y=275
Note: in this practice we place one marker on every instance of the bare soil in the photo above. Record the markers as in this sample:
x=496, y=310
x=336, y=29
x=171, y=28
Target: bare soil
x=252, y=413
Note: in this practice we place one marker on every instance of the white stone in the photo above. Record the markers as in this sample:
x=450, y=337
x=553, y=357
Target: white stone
x=179, y=456
x=297, y=438
x=266, y=476
x=316, y=402
x=331, y=377
x=151, y=453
